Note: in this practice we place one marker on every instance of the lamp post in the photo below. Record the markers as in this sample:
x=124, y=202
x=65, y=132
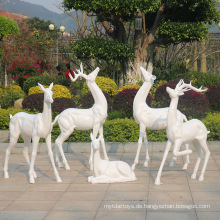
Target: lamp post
x=62, y=29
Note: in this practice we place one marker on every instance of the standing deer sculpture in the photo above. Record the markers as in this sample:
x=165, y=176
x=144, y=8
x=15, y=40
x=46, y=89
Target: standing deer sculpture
x=182, y=133
x=83, y=119
x=152, y=118
x=32, y=126
x=108, y=171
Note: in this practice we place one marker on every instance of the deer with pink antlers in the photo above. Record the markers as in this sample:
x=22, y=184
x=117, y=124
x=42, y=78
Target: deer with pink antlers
x=182, y=133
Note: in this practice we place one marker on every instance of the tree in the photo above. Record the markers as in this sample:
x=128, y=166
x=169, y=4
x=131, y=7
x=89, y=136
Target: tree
x=164, y=22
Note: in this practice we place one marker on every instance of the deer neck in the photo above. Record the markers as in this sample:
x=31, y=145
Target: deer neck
x=172, y=112
x=97, y=94
x=142, y=93
x=47, y=115
x=96, y=162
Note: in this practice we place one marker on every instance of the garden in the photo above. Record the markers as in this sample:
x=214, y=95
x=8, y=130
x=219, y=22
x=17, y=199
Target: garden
x=120, y=121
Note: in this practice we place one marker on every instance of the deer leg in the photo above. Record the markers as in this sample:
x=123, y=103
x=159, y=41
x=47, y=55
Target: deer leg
x=205, y=148
x=187, y=158
x=141, y=135
x=27, y=142
x=35, y=141
x=103, y=143
x=147, y=152
x=176, y=149
x=168, y=146
x=59, y=142
x=200, y=154
x=13, y=141
x=50, y=153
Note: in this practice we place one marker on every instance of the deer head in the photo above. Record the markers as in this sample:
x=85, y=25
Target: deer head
x=148, y=77
x=48, y=94
x=95, y=142
x=182, y=87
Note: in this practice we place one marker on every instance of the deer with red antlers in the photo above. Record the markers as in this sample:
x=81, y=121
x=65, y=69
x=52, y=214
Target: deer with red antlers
x=182, y=133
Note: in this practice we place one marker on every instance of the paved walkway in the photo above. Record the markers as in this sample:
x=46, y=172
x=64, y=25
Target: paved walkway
x=179, y=197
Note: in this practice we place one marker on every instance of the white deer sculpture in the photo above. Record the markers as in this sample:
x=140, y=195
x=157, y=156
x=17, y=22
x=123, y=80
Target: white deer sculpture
x=108, y=171
x=181, y=133
x=83, y=119
x=32, y=126
x=152, y=118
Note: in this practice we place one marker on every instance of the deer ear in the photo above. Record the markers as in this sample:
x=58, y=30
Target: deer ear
x=91, y=136
x=41, y=87
x=51, y=86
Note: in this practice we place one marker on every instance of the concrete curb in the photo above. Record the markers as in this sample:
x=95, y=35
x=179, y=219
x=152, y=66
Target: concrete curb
x=84, y=147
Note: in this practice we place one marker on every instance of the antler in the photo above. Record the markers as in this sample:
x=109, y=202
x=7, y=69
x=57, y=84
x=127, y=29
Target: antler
x=183, y=87
x=80, y=73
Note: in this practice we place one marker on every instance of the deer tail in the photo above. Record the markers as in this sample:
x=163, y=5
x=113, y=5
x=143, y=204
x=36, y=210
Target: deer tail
x=55, y=120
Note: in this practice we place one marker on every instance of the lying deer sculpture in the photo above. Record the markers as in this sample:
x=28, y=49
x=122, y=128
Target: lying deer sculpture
x=108, y=171
x=33, y=126
x=83, y=119
x=182, y=133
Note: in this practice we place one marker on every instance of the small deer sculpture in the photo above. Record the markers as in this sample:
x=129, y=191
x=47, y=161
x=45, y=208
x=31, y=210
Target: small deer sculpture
x=182, y=133
x=33, y=126
x=108, y=171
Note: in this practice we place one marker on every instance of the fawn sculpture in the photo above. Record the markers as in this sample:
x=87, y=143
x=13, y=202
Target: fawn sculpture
x=83, y=119
x=32, y=126
x=181, y=133
x=108, y=171
x=152, y=118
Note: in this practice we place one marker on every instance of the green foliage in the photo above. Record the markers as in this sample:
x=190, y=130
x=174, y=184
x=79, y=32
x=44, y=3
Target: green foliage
x=10, y=95
x=4, y=117
x=204, y=79
x=212, y=122
x=116, y=114
x=7, y=26
x=95, y=48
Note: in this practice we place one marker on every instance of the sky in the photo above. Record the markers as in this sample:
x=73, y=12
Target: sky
x=48, y=4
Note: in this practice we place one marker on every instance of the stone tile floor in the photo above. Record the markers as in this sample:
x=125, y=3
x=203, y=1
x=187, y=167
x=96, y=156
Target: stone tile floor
x=179, y=197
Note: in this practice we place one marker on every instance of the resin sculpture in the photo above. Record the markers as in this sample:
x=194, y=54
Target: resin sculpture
x=83, y=119
x=108, y=171
x=181, y=133
x=152, y=118
x=32, y=126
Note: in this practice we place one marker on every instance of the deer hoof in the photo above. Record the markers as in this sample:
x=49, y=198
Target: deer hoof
x=32, y=179
x=172, y=164
x=59, y=179
x=185, y=166
x=145, y=164
x=67, y=167
x=193, y=176
x=6, y=176
x=157, y=182
x=35, y=175
x=133, y=167
x=201, y=178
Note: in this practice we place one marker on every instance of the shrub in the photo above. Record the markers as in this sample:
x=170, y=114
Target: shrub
x=34, y=102
x=212, y=122
x=105, y=84
x=60, y=104
x=116, y=114
x=4, y=117
x=131, y=86
x=58, y=91
x=213, y=95
x=204, y=79
x=10, y=96
x=191, y=103
x=124, y=101
x=156, y=85
x=10, y=88
x=87, y=100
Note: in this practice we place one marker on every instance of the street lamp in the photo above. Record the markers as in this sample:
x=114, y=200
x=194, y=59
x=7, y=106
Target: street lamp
x=62, y=29
x=138, y=23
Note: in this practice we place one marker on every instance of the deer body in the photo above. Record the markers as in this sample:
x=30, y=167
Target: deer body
x=34, y=127
x=152, y=118
x=109, y=171
x=83, y=119
x=183, y=133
